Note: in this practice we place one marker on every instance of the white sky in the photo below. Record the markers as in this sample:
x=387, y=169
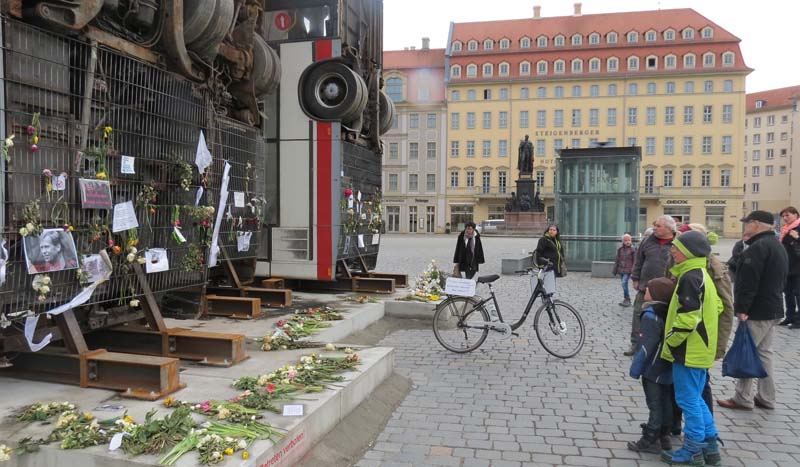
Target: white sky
x=768, y=28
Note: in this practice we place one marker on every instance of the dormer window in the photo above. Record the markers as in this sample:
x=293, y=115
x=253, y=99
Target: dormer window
x=456, y=46
x=577, y=39
x=669, y=35
x=611, y=38
x=525, y=43
x=559, y=41
x=688, y=34
x=488, y=44
x=688, y=61
x=541, y=67
x=650, y=36
x=708, y=60
x=504, y=44
x=525, y=68
x=502, y=69
x=472, y=70
x=594, y=65
x=455, y=71
x=577, y=65
x=633, y=37
x=558, y=66
x=760, y=103
x=633, y=63
x=707, y=33
x=651, y=62
x=728, y=59
x=488, y=69
x=612, y=64
x=670, y=62
x=541, y=42
x=594, y=38
x=472, y=45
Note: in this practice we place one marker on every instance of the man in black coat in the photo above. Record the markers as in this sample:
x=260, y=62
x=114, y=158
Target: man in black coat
x=469, y=252
x=757, y=298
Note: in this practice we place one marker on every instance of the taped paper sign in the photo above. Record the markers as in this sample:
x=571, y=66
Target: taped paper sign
x=243, y=241
x=202, y=158
x=238, y=199
x=128, y=163
x=124, y=217
x=157, y=260
x=460, y=287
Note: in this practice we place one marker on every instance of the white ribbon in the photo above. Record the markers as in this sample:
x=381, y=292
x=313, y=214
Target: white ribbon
x=84, y=295
x=223, y=200
x=30, y=329
x=3, y=261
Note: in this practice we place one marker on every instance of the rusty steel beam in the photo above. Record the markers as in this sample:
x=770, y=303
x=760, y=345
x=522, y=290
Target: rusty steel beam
x=69, y=14
x=172, y=39
x=121, y=45
x=274, y=298
x=233, y=307
x=400, y=280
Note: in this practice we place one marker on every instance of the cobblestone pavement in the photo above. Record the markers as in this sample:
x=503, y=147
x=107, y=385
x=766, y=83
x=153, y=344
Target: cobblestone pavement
x=510, y=404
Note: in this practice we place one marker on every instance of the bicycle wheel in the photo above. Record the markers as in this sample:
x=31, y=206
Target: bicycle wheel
x=560, y=331
x=458, y=325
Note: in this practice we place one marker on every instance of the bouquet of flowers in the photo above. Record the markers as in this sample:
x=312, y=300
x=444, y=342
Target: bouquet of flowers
x=429, y=285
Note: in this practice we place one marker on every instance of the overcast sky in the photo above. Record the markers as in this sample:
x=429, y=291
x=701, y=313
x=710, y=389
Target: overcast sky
x=768, y=28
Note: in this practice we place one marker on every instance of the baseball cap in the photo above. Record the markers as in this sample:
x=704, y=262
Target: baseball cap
x=760, y=216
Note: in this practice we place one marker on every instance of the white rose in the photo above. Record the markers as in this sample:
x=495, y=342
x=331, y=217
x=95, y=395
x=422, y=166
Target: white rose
x=23, y=231
x=348, y=350
x=133, y=250
x=30, y=227
x=10, y=141
x=141, y=260
x=44, y=290
x=131, y=257
x=330, y=347
x=242, y=444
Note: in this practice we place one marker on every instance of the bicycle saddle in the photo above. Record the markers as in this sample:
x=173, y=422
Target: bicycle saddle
x=488, y=279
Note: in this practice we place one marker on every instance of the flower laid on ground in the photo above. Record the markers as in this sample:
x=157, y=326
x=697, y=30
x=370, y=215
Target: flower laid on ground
x=5, y=453
x=330, y=347
x=280, y=341
x=361, y=299
x=429, y=285
x=221, y=410
x=320, y=313
x=42, y=411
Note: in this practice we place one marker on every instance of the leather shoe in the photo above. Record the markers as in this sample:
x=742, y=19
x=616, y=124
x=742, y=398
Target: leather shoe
x=630, y=351
x=732, y=404
x=759, y=402
x=785, y=322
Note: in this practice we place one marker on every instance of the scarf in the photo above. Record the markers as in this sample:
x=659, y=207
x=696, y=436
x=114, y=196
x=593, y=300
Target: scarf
x=788, y=227
x=470, y=242
x=557, y=243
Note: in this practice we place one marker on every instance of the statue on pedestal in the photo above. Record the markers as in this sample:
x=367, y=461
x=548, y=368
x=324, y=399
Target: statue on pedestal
x=538, y=204
x=524, y=203
x=525, y=157
x=512, y=204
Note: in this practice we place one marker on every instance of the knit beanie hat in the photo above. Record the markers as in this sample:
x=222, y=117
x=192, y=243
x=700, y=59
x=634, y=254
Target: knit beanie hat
x=661, y=289
x=693, y=244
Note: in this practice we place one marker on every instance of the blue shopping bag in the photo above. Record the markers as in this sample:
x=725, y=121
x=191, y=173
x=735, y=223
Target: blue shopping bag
x=742, y=360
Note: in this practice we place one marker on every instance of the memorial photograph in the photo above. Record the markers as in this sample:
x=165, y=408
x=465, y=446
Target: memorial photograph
x=53, y=250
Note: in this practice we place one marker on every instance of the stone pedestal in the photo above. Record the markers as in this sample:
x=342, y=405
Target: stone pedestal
x=532, y=222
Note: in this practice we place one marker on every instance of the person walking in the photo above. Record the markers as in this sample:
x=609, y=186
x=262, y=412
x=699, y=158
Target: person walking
x=790, y=239
x=690, y=343
x=626, y=257
x=760, y=279
x=469, y=252
x=736, y=253
x=651, y=262
x=551, y=248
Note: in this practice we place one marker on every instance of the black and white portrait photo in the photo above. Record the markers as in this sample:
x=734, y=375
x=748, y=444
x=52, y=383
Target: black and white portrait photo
x=53, y=250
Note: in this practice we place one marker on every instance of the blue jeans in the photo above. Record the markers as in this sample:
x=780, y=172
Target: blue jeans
x=625, y=278
x=689, y=383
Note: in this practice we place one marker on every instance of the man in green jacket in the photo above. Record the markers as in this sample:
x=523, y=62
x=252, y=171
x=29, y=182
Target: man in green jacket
x=690, y=342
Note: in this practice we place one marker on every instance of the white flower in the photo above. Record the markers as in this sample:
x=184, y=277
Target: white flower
x=131, y=257
x=46, y=281
x=348, y=350
x=330, y=347
x=132, y=250
x=241, y=444
x=306, y=359
x=5, y=451
x=223, y=413
x=9, y=142
x=23, y=232
x=284, y=381
x=30, y=227
x=263, y=380
x=134, y=303
x=216, y=455
x=44, y=289
x=141, y=260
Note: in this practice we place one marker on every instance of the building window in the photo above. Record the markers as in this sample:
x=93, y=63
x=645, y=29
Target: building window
x=431, y=120
x=770, y=120
x=523, y=93
x=707, y=113
x=633, y=37
x=669, y=35
x=688, y=33
x=612, y=64
x=503, y=69
x=501, y=181
x=577, y=39
x=688, y=114
x=505, y=43
x=470, y=148
x=488, y=69
x=756, y=188
x=454, y=178
x=754, y=206
x=650, y=36
x=455, y=71
x=394, y=89
x=525, y=43
x=576, y=91
x=540, y=147
x=667, y=177
x=633, y=63
x=632, y=115
x=413, y=120
x=756, y=154
x=632, y=141
x=669, y=115
x=558, y=118
x=470, y=120
x=757, y=120
x=503, y=94
x=686, y=179
x=576, y=143
x=612, y=116
x=650, y=146
x=413, y=151
x=727, y=142
x=651, y=115
x=456, y=46
x=688, y=61
x=728, y=59
x=649, y=176
x=669, y=145
x=541, y=92
x=541, y=42
x=727, y=113
x=541, y=67
x=725, y=177
x=558, y=145
x=503, y=120
x=393, y=182
x=431, y=150
x=454, y=148
x=756, y=171
x=594, y=65
x=594, y=38
x=651, y=88
x=472, y=71
x=670, y=87
x=670, y=62
x=541, y=118
x=594, y=90
x=486, y=180
x=611, y=142
x=708, y=60
x=525, y=68
x=472, y=46
x=470, y=178
x=540, y=178
x=502, y=148
x=770, y=153
x=705, y=177
x=782, y=170
x=611, y=38
x=757, y=138
x=487, y=120
x=576, y=117
x=770, y=135
x=612, y=89
x=633, y=89
x=559, y=91
x=523, y=119
x=706, y=145
x=558, y=66
x=413, y=182
x=707, y=32
x=769, y=171
x=394, y=150
x=430, y=184
x=688, y=145
x=594, y=117
x=559, y=41
x=487, y=148
x=577, y=65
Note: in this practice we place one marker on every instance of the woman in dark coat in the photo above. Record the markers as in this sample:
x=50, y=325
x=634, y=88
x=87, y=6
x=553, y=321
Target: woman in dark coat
x=469, y=252
x=790, y=238
x=550, y=247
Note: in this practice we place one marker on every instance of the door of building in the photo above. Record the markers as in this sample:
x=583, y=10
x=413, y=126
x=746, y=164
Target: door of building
x=412, y=219
x=430, y=224
x=393, y=214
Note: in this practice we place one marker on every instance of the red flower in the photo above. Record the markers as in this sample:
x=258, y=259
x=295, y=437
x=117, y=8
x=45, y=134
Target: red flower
x=206, y=406
x=271, y=388
x=31, y=129
x=280, y=322
x=348, y=192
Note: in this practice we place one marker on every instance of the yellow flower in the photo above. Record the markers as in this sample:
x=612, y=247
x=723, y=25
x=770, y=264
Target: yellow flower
x=169, y=401
x=127, y=419
x=101, y=175
x=229, y=451
x=35, y=140
x=107, y=131
x=88, y=415
x=245, y=454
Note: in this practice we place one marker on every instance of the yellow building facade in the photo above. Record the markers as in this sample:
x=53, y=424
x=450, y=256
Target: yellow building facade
x=681, y=100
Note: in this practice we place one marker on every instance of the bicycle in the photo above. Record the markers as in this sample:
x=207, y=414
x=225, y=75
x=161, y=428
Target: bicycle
x=466, y=321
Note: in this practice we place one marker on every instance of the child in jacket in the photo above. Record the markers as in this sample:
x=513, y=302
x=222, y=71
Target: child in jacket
x=655, y=372
x=626, y=256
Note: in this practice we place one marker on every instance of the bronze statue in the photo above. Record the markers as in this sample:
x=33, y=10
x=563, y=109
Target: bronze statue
x=525, y=157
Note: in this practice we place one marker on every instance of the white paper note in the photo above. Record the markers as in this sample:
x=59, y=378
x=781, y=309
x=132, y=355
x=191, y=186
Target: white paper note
x=116, y=440
x=157, y=260
x=124, y=217
x=238, y=199
x=350, y=202
x=127, y=166
x=361, y=240
x=59, y=182
x=96, y=266
x=202, y=158
x=376, y=239
x=359, y=196
x=293, y=410
x=460, y=287
x=199, y=195
x=243, y=241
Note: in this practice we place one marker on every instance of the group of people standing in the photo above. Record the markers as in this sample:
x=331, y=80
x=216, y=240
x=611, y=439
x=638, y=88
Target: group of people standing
x=683, y=314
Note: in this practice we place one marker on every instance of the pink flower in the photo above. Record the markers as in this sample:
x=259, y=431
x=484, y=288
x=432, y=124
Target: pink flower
x=47, y=173
x=34, y=147
x=292, y=374
x=280, y=322
x=206, y=406
x=31, y=129
x=271, y=388
x=348, y=192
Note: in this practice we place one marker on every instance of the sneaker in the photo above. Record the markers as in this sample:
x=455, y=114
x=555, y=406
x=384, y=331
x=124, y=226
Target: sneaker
x=625, y=303
x=711, y=454
x=691, y=453
x=785, y=322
